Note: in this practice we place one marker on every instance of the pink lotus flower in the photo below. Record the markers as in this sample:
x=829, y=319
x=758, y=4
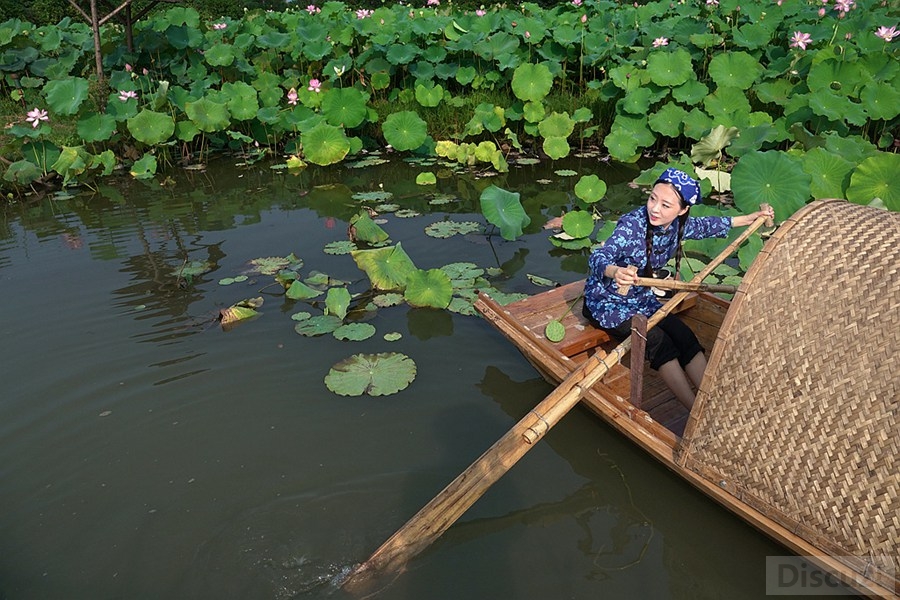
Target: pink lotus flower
x=660, y=41
x=821, y=12
x=576, y=2
x=128, y=67
x=886, y=34
x=363, y=13
x=527, y=34
x=36, y=116
x=315, y=86
x=127, y=95
x=712, y=2
x=584, y=18
x=292, y=97
x=313, y=9
x=800, y=40
x=843, y=6
x=219, y=25
x=480, y=12
x=433, y=3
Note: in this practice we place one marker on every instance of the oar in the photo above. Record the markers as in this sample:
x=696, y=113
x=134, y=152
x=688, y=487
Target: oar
x=686, y=286
x=444, y=509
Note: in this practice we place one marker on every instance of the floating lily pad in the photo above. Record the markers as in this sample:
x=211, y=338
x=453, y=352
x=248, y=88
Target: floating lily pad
x=367, y=230
x=319, y=325
x=462, y=306
x=407, y=213
x=429, y=288
x=462, y=270
x=387, y=208
x=240, y=311
x=441, y=199
x=192, y=268
x=379, y=374
x=340, y=247
x=272, y=264
x=354, y=332
x=426, y=179
x=578, y=223
x=446, y=229
x=386, y=300
x=379, y=196
x=566, y=172
x=393, y=336
x=301, y=316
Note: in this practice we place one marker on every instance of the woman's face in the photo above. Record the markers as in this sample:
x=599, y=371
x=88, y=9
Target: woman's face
x=664, y=205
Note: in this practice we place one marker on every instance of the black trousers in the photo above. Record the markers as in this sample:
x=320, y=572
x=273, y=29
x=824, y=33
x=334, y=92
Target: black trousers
x=670, y=339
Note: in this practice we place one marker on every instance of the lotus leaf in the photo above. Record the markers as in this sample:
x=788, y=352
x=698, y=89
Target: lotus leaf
x=379, y=374
x=670, y=69
x=392, y=336
x=235, y=313
x=429, y=288
x=144, y=167
x=387, y=268
x=365, y=229
x=72, y=162
x=446, y=229
x=193, y=268
x=556, y=147
x=668, y=120
x=534, y=111
x=404, y=130
x=65, y=96
x=709, y=149
x=770, y=177
x=720, y=180
x=220, y=55
x=429, y=96
x=354, y=332
x=325, y=144
x=590, y=188
x=207, y=115
x=557, y=125
x=337, y=301
x=837, y=76
x=734, y=69
x=319, y=325
x=386, y=300
x=96, y=127
x=22, y=172
x=578, y=223
x=836, y=107
x=300, y=291
x=531, y=82
x=829, y=172
x=637, y=101
x=465, y=75
x=151, y=127
x=876, y=177
x=776, y=92
x=503, y=209
x=727, y=106
x=541, y=281
x=241, y=101
x=344, y=107
x=269, y=265
x=881, y=100
x=373, y=196
x=340, y=247
x=407, y=213
x=555, y=331
x=566, y=172
x=427, y=178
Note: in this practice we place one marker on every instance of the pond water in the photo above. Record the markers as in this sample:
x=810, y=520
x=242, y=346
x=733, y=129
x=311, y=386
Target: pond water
x=148, y=453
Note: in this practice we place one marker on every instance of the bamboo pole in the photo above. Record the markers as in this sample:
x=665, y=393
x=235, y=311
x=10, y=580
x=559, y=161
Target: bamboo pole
x=691, y=286
x=444, y=509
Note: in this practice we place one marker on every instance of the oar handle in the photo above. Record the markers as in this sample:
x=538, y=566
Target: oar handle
x=672, y=284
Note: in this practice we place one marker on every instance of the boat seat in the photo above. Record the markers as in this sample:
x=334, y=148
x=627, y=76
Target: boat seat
x=580, y=334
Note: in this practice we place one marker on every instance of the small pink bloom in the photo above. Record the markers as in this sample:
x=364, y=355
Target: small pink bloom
x=848, y=36
x=292, y=97
x=712, y=2
x=127, y=95
x=480, y=13
x=128, y=67
x=527, y=34
x=313, y=9
x=660, y=41
x=843, y=6
x=219, y=25
x=145, y=71
x=779, y=2
x=800, y=40
x=886, y=34
x=433, y=3
x=576, y=2
x=584, y=18
x=36, y=116
x=821, y=12
x=363, y=13
x=315, y=86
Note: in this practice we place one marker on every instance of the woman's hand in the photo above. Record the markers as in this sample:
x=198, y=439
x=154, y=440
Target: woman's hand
x=626, y=276
x=765, y=211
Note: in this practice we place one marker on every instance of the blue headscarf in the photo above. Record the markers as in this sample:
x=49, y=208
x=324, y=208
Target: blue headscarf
x=686, y=186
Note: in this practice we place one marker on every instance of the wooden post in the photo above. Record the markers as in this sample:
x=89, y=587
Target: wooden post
x=638, y=346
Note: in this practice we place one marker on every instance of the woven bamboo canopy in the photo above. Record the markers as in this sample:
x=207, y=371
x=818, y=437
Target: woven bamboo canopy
x=798, y=413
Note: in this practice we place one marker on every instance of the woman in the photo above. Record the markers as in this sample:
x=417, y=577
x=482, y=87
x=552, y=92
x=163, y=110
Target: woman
x=644, y=240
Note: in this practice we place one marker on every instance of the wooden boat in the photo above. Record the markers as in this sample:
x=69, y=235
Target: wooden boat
x=795, y=426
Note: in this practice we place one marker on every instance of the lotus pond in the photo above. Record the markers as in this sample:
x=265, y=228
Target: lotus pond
x=150, y=452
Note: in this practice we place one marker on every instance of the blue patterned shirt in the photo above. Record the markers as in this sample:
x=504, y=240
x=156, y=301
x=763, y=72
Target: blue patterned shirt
x=628, y=246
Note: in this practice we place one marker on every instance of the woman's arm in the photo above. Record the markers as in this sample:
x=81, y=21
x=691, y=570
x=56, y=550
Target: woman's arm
x=764, y=211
